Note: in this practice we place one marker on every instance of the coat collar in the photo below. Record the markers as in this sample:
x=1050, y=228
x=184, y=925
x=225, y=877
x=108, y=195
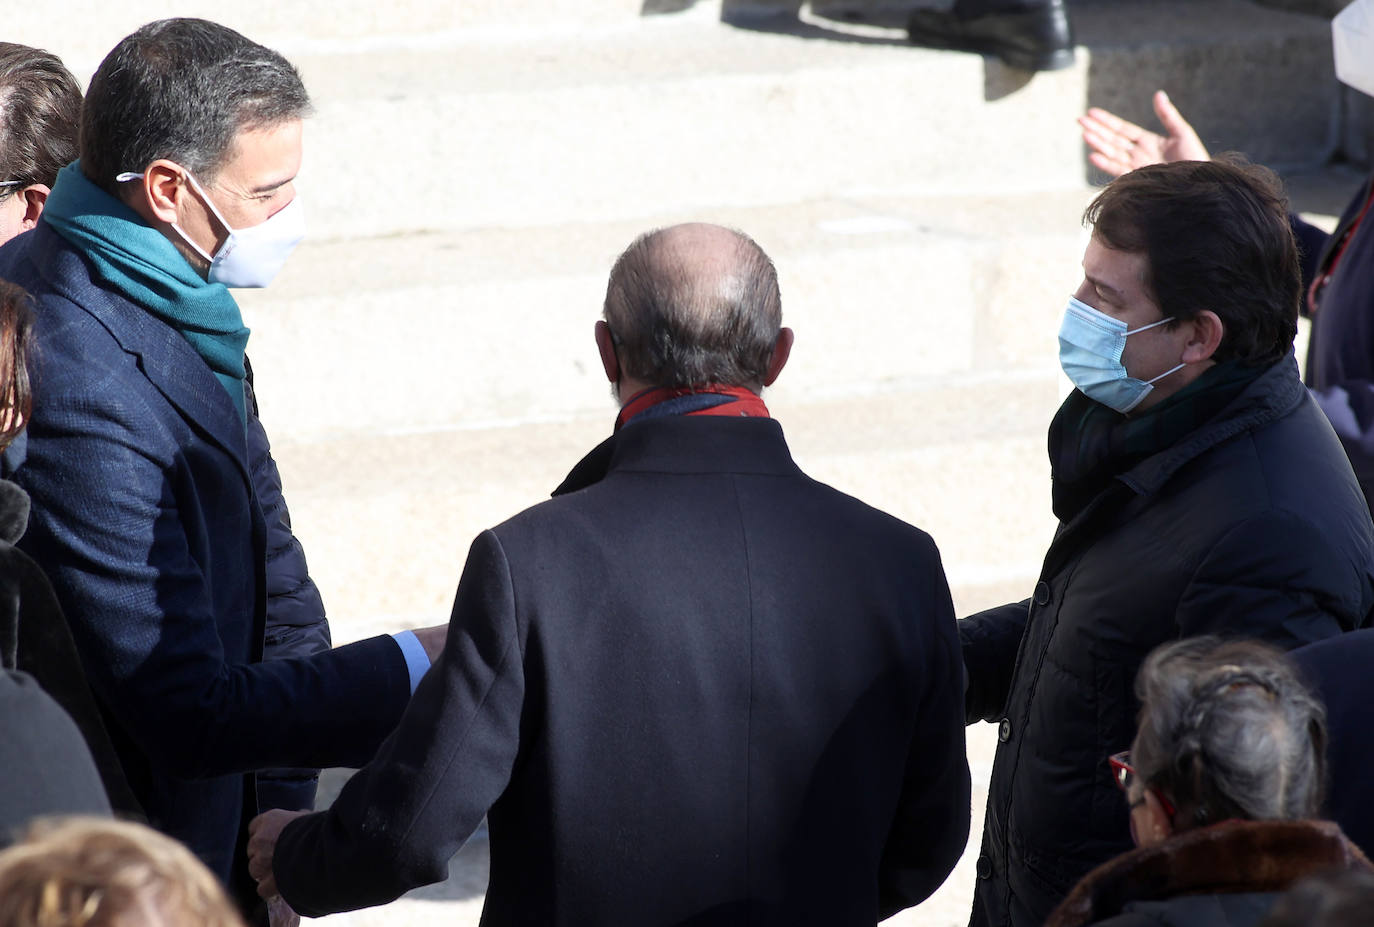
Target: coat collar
x=1274, y=393
x=1226, y=858
x=685, y=444
x=165, y=357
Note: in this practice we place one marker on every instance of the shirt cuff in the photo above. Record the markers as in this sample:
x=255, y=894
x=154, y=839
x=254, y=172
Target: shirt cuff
x=417, y=661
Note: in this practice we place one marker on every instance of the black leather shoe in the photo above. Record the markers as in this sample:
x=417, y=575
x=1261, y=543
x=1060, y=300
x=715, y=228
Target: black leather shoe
x=1032, y=40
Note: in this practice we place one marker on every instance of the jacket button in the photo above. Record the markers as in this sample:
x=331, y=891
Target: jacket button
x=1042, y=593
x=1004, y=730
x=984, y=868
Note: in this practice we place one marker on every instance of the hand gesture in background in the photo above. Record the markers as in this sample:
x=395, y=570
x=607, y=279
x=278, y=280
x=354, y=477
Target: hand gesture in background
x=1118, y=146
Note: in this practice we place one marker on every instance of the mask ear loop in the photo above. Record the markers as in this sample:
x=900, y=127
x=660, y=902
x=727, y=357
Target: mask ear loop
x=126, y=176
x=1142, y=328
x=1165, y=374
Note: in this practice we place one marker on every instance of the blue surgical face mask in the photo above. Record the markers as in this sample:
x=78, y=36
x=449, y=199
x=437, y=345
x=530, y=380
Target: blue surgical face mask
x=1090, y=346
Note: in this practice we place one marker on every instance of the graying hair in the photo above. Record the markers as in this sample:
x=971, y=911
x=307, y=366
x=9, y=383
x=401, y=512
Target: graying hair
x=1228, y=731
x=182, y=89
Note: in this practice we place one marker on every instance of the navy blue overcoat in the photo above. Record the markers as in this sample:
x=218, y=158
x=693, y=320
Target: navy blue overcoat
x=159, y=519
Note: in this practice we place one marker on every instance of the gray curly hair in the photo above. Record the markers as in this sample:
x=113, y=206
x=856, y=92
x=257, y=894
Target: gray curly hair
x=1227, y=730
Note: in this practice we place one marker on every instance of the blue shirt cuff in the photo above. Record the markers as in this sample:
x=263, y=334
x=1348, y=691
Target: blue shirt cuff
x=417, y=661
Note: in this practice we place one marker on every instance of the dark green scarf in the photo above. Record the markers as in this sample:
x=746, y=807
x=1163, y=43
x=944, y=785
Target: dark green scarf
x=139, y=263
x=1091, y=445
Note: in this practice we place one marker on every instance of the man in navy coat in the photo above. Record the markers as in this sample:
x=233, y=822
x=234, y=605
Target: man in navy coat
x=696, y=686
x=156, y=506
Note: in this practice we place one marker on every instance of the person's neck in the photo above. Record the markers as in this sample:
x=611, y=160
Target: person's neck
x=628, y=388
x=704, y=399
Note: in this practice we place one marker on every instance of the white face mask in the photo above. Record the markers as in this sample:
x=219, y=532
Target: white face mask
x=1352, y=42
x=252, y=256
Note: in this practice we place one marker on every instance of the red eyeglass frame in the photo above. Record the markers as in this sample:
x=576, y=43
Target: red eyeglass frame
x=1123, y=774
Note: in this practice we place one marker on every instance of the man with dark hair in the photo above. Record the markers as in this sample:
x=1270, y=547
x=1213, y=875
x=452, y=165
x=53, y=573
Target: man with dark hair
x=1199, y=490
x=40, y=109
x=157, y=510
x=694, y=687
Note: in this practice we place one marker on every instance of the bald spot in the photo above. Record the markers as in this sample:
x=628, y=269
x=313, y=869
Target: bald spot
x=706, y=264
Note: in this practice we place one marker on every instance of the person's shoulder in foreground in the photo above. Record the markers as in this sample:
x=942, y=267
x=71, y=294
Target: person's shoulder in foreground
x=694, y=686
x=91, y=871
x=43, y=757
x=1222, y=783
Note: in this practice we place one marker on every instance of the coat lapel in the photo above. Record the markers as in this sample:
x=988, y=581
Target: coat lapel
x=167, y=359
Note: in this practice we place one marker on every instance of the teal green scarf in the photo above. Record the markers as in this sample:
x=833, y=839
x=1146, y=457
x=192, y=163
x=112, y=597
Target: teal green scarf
x=139, y=263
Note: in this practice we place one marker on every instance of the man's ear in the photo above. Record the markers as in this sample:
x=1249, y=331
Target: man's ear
x=1204, y=337
x=35, y=196
x=605, y=345
x=782, y=349
x=158, y=192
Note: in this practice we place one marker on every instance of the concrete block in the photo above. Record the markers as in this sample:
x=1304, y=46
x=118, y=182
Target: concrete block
x=1272, y=95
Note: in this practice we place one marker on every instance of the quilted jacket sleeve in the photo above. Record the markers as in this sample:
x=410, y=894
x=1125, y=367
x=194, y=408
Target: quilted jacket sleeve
x=990, y=641
x=296, y=621
x=1275, y=577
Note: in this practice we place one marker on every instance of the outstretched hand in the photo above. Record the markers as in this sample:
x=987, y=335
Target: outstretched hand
x=263, y=832
x=1118, y=146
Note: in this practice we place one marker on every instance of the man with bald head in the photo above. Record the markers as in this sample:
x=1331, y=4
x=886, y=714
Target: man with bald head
x=694, y=687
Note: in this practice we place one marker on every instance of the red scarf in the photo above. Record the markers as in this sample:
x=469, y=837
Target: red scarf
x=1324, y=274
x=708, y=399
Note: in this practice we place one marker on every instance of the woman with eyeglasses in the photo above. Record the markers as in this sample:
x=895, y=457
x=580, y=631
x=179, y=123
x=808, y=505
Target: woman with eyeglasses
x=1221, y=785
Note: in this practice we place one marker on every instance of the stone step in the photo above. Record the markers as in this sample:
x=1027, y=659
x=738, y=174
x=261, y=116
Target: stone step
x=82, y=31
x=465, y=329
x=413, y=333
x=652, y=118
x=427, y=126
